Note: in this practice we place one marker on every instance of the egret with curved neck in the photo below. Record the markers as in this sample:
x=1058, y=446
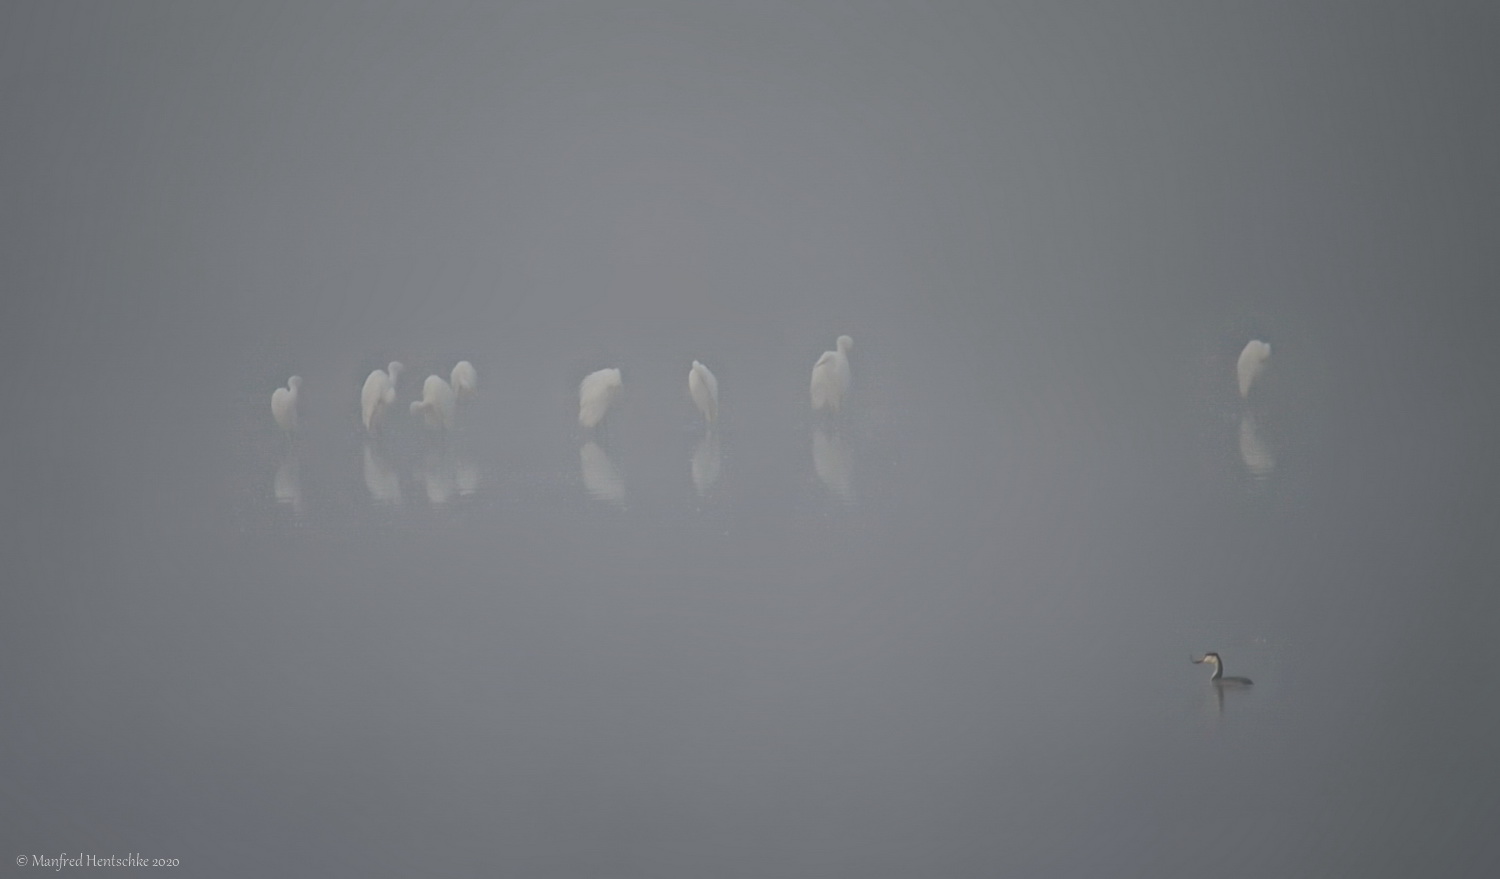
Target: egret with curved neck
x=1218, y=676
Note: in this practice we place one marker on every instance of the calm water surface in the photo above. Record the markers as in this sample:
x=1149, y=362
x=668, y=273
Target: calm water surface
x=947, y=633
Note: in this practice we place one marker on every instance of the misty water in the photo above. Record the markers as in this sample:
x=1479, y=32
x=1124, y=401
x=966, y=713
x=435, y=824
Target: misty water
x=946, y=632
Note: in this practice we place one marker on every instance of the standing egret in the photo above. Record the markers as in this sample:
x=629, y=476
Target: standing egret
x=464, y=379
x=284, y=404
x=1252, y=364
x=704, y=389
x=437, y=403
x=595, y=393
x=830, y=376
x=379, y=393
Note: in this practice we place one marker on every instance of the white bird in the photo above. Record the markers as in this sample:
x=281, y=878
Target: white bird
x=1252, y=364
x=704, y=389
x=830, y=376
x=595, y=393
x=437, y=404
x=379, y=393
x=464, y=379
x=284, y=404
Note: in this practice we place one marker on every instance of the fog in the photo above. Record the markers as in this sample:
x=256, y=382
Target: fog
x=943, y=631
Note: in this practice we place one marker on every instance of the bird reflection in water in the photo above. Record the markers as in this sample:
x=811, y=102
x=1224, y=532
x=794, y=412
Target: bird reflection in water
x=288, y=482
x=600, y=477
x=1253, y=449
x=832, y=462
x=438, y=476
x=706, y=463
x=465, y=475
x=381, y=478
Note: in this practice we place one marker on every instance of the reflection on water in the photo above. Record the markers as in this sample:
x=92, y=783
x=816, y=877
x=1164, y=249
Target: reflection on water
x=288, y=482
x=600, y=477
x=1253, y=450
x=706, y=463
x=381, y=478
x=833, y=464
x=438, y=476
x=465, y=475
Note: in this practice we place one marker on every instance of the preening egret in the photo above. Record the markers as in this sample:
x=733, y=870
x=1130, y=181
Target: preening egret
x=1252, y=363
x=437, y=403
x=830, y=376
x=464, y=380
x=284, y=404
x=378, y=394
x=595, y=393
x=704, y=389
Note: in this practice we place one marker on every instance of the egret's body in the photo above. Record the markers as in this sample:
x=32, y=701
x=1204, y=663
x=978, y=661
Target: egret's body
x=464, y=380
x=1252, y=363
x=704, y=389
x=1218, y=676
x=284, y=404
x=378, y=394
x=595, y=393
x=830, y=376
x=437, y=404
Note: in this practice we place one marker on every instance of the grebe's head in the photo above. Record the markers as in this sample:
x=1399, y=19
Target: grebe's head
x=1210, y=658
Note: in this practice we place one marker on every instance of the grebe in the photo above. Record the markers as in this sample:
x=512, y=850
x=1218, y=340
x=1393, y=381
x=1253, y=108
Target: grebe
x=1218, y=678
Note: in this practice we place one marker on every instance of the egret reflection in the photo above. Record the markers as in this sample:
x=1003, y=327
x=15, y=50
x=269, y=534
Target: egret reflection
x=600, y=477
x=288, y=482
x=832, y=462
x=465, y=475
x=438, y=476
x=1253, y=449
x=381, y=478
x=706, y=463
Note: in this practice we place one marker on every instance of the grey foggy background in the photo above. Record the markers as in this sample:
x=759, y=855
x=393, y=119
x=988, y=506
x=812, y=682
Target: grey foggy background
x=956, y=642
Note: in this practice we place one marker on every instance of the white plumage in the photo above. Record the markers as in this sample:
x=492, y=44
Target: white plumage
x=704, y=389
x=284, y=404
x=1252, y=364
x=595, y=393
x=464, y=380
x=378, y=394
x=437, y=404
x=830, y=376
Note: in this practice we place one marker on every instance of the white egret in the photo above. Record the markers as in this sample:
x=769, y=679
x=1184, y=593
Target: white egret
x=830, y=376
x=704, y=389
x=437, y=404
x=1252, y=364
x=284, y=404
x=464, y=380
x=378, y=394
x=595, y=393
